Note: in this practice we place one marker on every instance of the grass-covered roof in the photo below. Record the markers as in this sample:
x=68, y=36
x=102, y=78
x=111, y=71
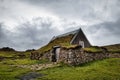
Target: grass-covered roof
x=63, y=41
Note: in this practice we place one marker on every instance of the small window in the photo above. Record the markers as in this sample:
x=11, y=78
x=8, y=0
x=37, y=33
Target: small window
x=81, y=43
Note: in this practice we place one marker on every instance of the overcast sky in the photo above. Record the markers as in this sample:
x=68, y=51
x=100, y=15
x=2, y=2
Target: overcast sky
x=27, y=24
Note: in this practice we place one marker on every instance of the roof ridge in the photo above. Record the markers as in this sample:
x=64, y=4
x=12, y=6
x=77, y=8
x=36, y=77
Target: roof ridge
x=65, y=34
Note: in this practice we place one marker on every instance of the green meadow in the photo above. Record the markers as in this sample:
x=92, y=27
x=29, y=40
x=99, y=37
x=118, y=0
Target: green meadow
x=106, y=69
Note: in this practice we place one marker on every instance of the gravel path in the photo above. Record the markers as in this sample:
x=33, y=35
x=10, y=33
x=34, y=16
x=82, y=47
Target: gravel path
x=35, y=67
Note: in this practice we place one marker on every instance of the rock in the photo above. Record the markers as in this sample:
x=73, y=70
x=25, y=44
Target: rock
x=30, y=76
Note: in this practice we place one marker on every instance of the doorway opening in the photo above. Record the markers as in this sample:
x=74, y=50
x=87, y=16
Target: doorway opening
x=55, y=53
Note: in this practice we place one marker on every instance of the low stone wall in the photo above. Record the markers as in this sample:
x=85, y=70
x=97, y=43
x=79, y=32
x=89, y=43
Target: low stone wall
x=39, y=56
x=78, y=56
x=75, y=56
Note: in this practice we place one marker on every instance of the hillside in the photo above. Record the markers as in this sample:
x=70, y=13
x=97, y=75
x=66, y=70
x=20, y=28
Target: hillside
x=10, y=53
x=111, y=47
x=107, y=69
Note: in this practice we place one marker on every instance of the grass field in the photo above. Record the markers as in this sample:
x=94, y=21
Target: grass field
x=107, y=69
x=11, y=73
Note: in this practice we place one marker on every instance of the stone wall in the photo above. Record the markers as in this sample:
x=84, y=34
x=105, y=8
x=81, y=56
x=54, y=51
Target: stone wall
x=75, y=56
x=39, y=56
x=78, y=56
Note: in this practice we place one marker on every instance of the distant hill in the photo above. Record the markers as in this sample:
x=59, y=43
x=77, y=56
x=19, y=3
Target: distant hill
x=7, y=49
x=111, y=47
x=30, y=50
x=10, y=53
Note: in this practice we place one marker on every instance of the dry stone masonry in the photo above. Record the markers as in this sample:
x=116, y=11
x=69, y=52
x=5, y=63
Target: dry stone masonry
x=72, y=56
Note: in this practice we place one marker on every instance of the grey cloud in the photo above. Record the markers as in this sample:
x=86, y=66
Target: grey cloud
x=105, y=33
x=1, y=32
x=105, y=14
x=39, y=31
x=30, y=34
x=33, y=34
x=102, y=10
x=4, y=36
x=112, y=27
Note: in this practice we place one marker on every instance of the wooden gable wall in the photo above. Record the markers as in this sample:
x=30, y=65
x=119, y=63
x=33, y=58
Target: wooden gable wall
x=80, y=36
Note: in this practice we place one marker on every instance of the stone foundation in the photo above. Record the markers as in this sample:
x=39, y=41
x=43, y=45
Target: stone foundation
x=75, y=56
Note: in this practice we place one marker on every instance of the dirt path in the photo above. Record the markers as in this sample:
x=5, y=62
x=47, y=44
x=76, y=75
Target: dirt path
x=36, y=67
x=33, y=75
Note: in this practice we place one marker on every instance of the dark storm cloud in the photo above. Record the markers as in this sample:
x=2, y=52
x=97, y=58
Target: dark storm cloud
x=31, y=34
x=112, y=27
x=105, y=33
x=4, y=36
x=87, y=10
x=36, y=33
x=1, y=31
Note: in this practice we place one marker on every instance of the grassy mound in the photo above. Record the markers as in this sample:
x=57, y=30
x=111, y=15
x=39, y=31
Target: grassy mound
x=113, y=48
x=110, y=48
